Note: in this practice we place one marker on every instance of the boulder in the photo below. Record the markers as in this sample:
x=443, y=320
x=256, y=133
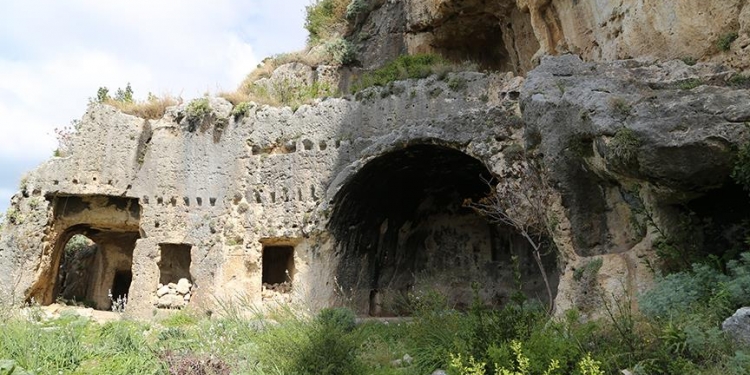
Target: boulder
x=162, y=291
x=737, y=326
x=183, y=286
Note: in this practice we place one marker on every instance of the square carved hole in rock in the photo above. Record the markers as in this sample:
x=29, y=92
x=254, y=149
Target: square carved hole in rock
x=175, y=283
x=278, y=268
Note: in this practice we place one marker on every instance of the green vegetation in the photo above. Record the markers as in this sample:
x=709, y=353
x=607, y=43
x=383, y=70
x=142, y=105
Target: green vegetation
x=677, y=333
x=240, y=110
x=690, y=84
x=725, y=42
x=589, y=270
x=152, y=108
x=340, y=51
x=689, y=60
x=356, y=8
x=739, y=80
x=197, y=111
x=624, y=146
x=457, y=84
x=77, y=243
x=325, y=19
x=408, y=67
x=621, y=107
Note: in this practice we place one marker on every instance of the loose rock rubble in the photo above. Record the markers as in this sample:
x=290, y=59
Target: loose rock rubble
x=174, y=296
x=277, y=292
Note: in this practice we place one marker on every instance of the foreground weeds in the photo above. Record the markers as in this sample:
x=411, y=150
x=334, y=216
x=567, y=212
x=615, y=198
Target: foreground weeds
x=677, y=333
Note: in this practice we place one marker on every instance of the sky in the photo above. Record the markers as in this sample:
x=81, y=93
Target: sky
x=54, y=55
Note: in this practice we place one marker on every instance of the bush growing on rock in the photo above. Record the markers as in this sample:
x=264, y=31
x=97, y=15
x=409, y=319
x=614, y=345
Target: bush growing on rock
x=324, y=19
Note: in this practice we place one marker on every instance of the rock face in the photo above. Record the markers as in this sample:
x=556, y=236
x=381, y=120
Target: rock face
x=243, y=207
x=360, y=198
x=514, y=34
x=737, y=326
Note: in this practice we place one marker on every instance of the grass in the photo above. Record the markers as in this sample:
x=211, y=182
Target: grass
x=739, y=80
x=725, y=42
x=624, y=146
x=152, y=109
x=484, y=340
x=409, y=67
x=690, y=84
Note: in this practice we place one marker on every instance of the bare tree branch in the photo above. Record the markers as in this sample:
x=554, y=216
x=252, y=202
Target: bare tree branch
x=520, y=200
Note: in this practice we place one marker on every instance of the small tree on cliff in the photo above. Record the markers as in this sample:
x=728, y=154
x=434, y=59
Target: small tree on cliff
x=520, y=200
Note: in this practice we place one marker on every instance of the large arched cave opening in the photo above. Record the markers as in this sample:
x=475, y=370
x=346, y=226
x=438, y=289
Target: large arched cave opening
x=401, y=228
x=94, y=266
x=91, y=254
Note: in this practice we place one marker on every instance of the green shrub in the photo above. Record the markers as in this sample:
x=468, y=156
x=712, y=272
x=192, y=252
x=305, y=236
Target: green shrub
x=404, y=67
x=197, y=111
x=677, y=293
x=725, y=42
x=689, y=60
x=355, y=8
x=621, y=107
x=457, y=84
x=703, y=287
x=52, y=348
x=77, y=243
x=337, y=318
x=740, y=80
x=323, y=19
x=300, y=346
x=590, y=269
x=241, y=110
x=341, y=51
x=290, y=93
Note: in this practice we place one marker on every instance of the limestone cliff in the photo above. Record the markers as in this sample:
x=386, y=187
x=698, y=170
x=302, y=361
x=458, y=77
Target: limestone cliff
x=514, y=34
x=359, y=199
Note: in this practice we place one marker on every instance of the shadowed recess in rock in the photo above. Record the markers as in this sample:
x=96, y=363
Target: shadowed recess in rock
x=401, y=227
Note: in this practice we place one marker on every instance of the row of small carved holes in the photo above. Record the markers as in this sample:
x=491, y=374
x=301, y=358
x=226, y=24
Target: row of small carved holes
x=306, y=144
x=185, y=200
x=284, y=196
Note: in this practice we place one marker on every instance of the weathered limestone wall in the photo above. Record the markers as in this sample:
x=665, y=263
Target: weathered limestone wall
x=226, y=189
x=512, y=35
x=625, y=139
x=368, y=189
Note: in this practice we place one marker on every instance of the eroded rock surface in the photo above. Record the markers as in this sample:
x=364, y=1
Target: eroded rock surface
x=515, y=34
x=359, y=199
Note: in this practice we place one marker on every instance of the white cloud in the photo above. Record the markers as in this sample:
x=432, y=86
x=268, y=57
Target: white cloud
x=54, y=55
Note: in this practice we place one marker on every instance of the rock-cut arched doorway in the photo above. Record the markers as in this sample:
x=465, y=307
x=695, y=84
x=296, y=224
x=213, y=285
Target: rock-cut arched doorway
x=90, y=255
x=401, y=229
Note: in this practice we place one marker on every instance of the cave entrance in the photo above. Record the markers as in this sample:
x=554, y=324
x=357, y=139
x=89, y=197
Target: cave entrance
x=401, y=229
x=95, y=267
x=475, y=37
x=716, y=224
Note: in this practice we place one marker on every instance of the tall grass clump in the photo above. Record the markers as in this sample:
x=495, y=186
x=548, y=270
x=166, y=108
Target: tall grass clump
x=44, y=348
x=153, y=108
x=302, y=345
